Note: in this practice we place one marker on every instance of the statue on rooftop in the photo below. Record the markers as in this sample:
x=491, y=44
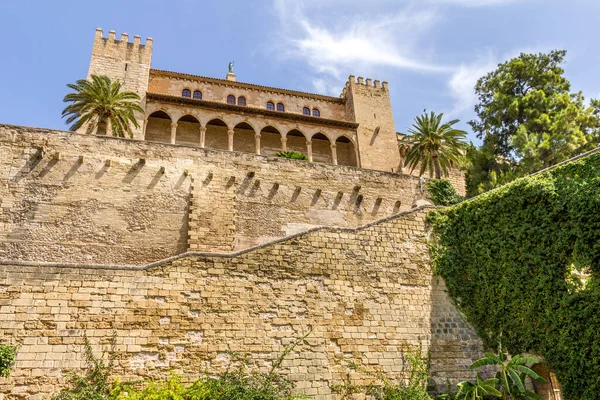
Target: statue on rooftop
x=231, y=67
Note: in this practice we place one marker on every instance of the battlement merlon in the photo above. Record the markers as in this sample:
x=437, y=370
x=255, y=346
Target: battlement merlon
x=360, y=81
x=122, y=48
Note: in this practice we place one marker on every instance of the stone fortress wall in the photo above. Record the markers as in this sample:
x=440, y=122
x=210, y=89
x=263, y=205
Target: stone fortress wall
x=367, y=294
x=76, y=210
x=83, y=198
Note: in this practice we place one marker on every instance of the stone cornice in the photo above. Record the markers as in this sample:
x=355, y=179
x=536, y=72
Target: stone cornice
x=215, y=105
x=224, y=82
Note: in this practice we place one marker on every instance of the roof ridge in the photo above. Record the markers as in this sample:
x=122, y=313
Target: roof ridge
x=234, y=83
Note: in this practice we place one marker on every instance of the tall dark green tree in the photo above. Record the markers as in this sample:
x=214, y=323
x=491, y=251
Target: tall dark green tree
x=526, y=112
x=433, y=145
x=99, y=104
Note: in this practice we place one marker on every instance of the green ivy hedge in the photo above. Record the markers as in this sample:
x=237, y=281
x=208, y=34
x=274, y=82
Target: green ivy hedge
x=508, y=258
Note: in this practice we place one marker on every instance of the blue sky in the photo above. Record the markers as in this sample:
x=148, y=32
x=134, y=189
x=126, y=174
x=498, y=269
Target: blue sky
x=430, y=51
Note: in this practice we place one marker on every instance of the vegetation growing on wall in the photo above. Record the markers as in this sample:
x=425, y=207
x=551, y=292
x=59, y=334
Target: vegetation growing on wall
x=7, y=359
x=442, y=193
x=522, y=263
x=293, y=155
x=236, y=383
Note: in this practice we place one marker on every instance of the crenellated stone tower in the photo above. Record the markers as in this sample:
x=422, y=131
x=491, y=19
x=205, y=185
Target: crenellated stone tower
x=368, y=104
x=124, y=61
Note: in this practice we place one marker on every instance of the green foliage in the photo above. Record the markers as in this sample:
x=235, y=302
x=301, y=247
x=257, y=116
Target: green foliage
x=233, y=384
x=442, y=193
x=100, y=102
x=433, y=145
x=508, y=256
x=478, y=390
x=485, y=170
x=7, y=359
x=511, y=374
x=528, y=117
x=415, y=388
x=292, y=155
x=96, y=384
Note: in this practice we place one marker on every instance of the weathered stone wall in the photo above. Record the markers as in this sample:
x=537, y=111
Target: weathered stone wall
x=366, y=294
x=369, y=104
x=82, y=198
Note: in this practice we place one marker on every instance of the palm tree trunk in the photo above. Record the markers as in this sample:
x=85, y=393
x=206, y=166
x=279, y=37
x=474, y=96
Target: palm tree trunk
x=101, y=127
x=436, y=165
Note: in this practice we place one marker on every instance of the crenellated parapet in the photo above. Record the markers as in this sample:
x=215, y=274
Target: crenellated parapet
x=363, y=83
x=122, y=48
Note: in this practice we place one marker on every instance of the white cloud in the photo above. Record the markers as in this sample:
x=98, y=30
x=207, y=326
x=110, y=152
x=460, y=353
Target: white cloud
x=393, y=34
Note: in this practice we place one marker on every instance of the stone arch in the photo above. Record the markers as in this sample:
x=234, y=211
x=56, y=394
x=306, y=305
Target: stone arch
x=216, y=136
x=270, y=141
x=321, y=148
x=158, y=127
x=296, y=141
x=551, y=390
x=188, y=130
x=345, y=150
x=243, y=137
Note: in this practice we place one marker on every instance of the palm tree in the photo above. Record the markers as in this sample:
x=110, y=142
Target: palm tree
x=99, y=102
x=435, y=146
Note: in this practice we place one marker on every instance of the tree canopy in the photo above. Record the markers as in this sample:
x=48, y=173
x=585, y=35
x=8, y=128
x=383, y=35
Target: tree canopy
x=528, y=120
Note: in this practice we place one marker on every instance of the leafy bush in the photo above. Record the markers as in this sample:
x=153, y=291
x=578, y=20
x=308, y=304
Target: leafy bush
x=442, y=193
x=384, y=389
x=7, y=359
x=293, y=155
x=508, y=256
x=236, y=384
x=96, y=384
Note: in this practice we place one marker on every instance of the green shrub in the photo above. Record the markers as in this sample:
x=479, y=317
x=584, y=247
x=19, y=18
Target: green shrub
x=96, y=384
x=442, y=193
x=382, y=388
x=293, y=155
x=236, y=383
x=7, y=359
x=508, y=259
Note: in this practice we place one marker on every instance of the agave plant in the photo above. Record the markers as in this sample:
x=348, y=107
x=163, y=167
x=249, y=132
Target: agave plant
x=511, y=374
x=478, y=390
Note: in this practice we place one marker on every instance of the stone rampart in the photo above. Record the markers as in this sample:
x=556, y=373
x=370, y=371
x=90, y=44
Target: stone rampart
x=366, y=293
x=83, y=198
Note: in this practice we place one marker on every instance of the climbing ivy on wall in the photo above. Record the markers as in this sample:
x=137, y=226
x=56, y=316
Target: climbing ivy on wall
x=513, y=261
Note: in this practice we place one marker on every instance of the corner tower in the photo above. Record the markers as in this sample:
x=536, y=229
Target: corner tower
x=368, y=104
x=124, y=61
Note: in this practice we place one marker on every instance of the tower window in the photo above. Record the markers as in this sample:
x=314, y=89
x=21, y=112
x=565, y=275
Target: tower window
x=270, y=106
x=231, y=99
x=186, y=93
x=197, y=95
x=241, y=101
x=316, y=112
x=306, y=111
x=280, y=107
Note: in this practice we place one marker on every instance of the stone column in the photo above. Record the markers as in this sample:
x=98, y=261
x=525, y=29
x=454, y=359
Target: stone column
x=257, y=143
x=230, y=139
x=284, y=144
x=173, y=132
x=309, y=150
x=356, y=159
x=145, y=127
x=202, y=136
x=334, y=153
